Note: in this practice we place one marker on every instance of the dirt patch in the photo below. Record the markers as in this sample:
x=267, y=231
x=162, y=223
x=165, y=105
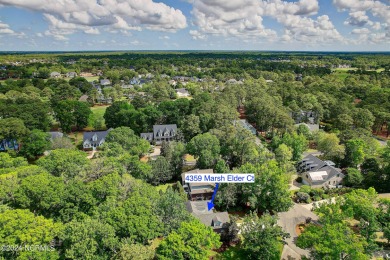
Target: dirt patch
x=300, y=228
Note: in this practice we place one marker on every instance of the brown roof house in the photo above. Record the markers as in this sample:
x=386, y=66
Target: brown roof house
x=201, y=190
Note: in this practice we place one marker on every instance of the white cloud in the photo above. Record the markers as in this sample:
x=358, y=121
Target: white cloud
x=5, y=29
x=302, y=7
x=92, y=30
x=69, y=16
x=196, y=35
x=360, y=31
x=376, y=26
x=244, y=19
x=229, y=18
x=165, y=37
x=303, y=29
x=138, y=43
x=358, y=16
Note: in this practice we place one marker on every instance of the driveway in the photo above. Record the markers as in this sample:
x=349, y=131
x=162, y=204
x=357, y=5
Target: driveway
x=294, y=185
x=156, y=152
x=288, y=221
x=318, y=203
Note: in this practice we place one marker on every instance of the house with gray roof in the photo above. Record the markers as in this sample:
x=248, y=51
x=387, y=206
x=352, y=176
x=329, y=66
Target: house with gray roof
x=147, y=136
x=161, y=133
x=318, y=173
x=218, y=221
x=105, y=82
x=245, y=124
x=94, y=139
x=84, y=98
x=307, y=118
x=71, y=74
x=55, y=75
x=182, y=92
x=54, y=135
x=311, y=127
x=310, y=117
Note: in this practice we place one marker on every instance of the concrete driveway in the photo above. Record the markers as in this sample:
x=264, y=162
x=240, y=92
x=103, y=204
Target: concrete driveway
x=294, y=185
x=288, y=221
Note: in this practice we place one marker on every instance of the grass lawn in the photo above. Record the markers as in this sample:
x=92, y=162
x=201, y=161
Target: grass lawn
x=344, y=69
x=97, y=112
x=342, y=73
x=90, y=79
x=312, y=150
x=232, y=253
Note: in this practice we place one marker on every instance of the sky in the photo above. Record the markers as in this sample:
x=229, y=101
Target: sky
x=304, y=25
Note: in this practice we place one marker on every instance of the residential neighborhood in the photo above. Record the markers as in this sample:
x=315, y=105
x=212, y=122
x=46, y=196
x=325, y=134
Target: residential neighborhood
x=95, y=148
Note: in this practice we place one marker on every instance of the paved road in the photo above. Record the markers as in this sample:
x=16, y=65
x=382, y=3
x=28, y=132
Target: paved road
x=288, y=221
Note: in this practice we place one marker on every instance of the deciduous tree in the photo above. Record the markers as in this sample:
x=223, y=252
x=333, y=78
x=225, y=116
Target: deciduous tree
x=193, y=241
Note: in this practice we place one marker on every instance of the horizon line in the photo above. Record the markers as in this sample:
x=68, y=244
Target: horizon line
x=181, y=50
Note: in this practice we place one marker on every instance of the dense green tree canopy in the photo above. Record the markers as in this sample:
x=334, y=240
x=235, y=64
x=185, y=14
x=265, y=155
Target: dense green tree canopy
x=36, y=143
x=262, y=237
x=206, y=148
x=128, y=140
x=65, y=163
x=192, y=241
x=22, y=227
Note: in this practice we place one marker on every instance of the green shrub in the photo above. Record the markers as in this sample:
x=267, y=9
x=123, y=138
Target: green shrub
x=316, y=192
x=317, y=198
x=303, y=197
x=305, y=188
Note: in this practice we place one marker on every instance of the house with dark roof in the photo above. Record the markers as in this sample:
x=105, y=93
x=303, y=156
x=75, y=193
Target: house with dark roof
x=95, y=139
x=198, y=190
x=307, y=118
x=147, y=136
x=54, y=135
x=318, y=173
x=310, y=117
x=218, y=221
x=6, y=145
x=161, y=133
